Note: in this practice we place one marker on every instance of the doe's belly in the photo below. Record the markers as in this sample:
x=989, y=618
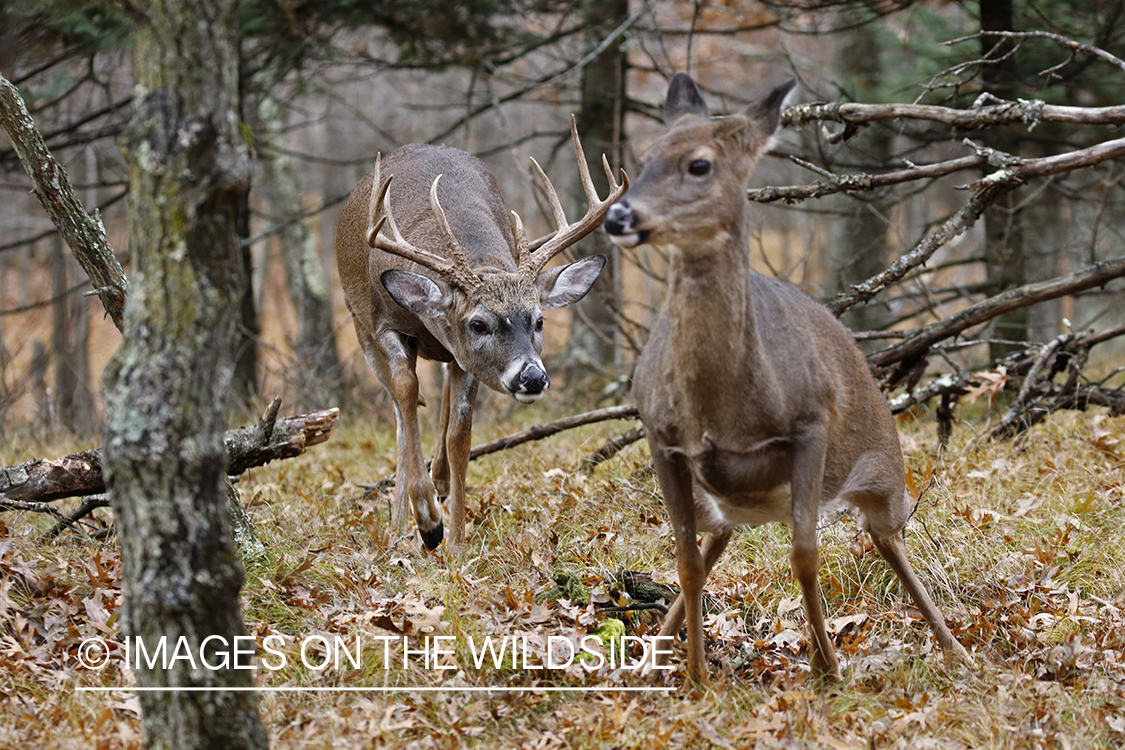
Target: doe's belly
x=716, y=514
x=742, y=488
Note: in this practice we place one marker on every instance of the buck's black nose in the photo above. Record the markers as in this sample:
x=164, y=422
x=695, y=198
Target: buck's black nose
x=532, y=380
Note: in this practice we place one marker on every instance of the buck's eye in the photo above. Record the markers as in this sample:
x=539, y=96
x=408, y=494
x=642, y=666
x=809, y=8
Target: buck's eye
x=479, y=327
x=699, y=167
x=539, y=324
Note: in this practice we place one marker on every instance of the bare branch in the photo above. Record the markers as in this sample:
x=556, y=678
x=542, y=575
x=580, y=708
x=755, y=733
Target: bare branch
x=1022, y=111
x=957, y=224
x=1064, y=41
x=1025, y=169
x=922, y=340
x=540, y=431
x=860, y=182
x=84, y=234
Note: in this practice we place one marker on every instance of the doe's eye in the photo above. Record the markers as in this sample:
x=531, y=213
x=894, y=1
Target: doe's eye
x=539, y=324
x=699, y=167
x=478, y=326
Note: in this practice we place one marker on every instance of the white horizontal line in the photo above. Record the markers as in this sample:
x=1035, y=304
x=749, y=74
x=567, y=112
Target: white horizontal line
x=402, y=689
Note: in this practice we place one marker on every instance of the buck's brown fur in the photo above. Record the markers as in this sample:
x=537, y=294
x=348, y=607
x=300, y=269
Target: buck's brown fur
x=433, y=266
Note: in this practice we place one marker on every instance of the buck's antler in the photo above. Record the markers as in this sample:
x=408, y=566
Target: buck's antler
x=455, y=269
x=532, y=262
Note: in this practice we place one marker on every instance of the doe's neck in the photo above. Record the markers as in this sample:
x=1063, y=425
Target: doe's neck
x=709, y=307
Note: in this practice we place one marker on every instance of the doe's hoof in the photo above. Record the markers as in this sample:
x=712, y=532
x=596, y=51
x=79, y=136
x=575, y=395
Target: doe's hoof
x=433, y=537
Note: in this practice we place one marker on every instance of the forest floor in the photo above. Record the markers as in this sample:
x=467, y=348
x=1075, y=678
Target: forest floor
x=1021, y=543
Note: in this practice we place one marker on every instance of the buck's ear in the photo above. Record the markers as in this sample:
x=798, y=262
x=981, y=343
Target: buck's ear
x=683, y=99
x=565, y=285
x=419, y=294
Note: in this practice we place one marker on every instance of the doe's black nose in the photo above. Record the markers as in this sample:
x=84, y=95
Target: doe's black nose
x=619, y=218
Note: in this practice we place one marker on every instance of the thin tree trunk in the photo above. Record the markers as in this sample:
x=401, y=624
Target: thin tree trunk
x=249, y=328
x=1004, y=252
x=594, y=330
x=859, y=235
x=166, y=390
x=318, y=362
x=69, y=336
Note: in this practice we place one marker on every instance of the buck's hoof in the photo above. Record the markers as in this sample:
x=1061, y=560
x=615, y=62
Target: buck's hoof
x=433, y=537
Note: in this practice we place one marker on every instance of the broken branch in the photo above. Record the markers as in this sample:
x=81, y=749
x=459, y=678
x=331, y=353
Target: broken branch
x=80, y=474
x=84, y=234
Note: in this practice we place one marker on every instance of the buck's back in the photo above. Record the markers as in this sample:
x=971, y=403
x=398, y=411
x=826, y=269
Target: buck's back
x=468, y=193
x=471, y=198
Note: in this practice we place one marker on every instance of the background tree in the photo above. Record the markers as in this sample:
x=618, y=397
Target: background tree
x=1005, y=251
x=166, y=389
x=594, y=343
x=858, y=236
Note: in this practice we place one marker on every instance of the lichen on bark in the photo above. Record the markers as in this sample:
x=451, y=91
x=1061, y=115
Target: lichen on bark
x=166, y=390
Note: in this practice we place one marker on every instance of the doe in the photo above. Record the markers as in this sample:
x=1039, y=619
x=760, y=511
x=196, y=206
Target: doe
x=757, y=404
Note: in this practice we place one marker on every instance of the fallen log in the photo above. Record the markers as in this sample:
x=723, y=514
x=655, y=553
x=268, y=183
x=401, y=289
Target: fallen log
x=80, y=474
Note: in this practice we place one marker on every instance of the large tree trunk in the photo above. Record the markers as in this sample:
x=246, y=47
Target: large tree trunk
x=594, y=332
x=166, y=390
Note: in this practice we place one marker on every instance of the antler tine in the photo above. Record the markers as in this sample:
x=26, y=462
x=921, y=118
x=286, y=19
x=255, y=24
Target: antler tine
x=567, y=234
x=462, y=273
x=377, y=196
x=523, y=248
x=396, y=244
x=552, y=196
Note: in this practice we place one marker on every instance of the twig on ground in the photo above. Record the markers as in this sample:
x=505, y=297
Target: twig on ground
x=540, y=431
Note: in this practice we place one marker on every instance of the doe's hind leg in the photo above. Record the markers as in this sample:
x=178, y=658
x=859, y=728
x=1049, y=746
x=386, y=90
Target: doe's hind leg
x=893, y=550
x=876, y=488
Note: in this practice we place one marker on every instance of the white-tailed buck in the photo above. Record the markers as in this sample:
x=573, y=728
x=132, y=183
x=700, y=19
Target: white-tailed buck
x=436, y=267
x=757, y=404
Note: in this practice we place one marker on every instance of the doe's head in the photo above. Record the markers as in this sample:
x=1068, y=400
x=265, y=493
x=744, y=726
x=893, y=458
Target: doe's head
x=694, y=178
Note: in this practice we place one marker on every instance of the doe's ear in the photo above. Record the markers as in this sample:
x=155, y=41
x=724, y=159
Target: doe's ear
x=683, y=99
x=419, y=294
x=767, y=110
x=565, y=285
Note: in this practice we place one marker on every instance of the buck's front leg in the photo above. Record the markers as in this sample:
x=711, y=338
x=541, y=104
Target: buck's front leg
x=413, y=487
x=675, y=483
x=460, y=397
x=439, y=468
x=808, y=482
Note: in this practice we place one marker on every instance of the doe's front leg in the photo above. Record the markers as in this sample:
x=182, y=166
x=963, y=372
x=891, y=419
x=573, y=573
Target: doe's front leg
x=676, y=485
